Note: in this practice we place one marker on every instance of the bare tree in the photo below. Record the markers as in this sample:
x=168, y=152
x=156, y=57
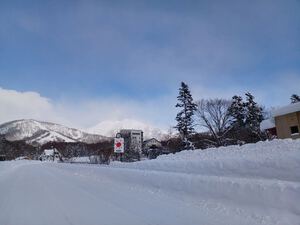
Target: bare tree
x=213, y=115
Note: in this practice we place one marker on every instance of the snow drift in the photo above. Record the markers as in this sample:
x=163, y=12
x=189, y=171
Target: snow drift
x=265, y=175
x=251, y=184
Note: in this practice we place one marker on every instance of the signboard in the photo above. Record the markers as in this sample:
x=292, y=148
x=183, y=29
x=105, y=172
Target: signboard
x=119, y=145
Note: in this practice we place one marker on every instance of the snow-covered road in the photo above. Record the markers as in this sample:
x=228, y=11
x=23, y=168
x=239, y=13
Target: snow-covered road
x=257, y=187
x=46, y=193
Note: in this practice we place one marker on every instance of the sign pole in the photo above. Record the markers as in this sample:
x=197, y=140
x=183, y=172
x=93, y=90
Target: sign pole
x=119, y=145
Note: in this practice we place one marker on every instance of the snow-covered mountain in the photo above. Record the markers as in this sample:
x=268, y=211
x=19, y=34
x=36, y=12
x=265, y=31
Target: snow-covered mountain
x=110, y=128
x=37, y=132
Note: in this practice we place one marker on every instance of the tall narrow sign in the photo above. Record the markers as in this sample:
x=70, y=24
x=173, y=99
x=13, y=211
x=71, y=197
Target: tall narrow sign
x=119, y=145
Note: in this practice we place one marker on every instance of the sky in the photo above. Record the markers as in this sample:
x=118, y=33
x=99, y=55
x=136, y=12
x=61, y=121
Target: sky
x=84, y=62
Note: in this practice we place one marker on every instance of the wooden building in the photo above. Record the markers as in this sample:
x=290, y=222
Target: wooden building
x=287, y=121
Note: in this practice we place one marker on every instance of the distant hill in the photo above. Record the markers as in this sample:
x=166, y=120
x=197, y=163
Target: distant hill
x=38, y=132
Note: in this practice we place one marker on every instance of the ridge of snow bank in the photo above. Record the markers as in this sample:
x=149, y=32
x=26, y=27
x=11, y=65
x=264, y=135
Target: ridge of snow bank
x=261, y=175
x=266, y=174
x=277, y=159
x=242, y=191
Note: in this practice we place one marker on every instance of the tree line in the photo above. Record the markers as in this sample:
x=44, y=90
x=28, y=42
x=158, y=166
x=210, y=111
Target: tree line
x=14, y=149
x=222, y=121
x=100, y=152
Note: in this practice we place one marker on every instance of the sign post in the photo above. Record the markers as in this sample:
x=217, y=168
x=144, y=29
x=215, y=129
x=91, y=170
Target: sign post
x=119, y=145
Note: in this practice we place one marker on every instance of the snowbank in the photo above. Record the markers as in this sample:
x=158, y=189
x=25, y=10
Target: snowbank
x=264, y=174
x=84, y=159
x=261, y=175
x=251, y=184
x=277, y=159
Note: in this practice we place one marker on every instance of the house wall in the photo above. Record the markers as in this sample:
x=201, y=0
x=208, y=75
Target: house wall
x=284, y=122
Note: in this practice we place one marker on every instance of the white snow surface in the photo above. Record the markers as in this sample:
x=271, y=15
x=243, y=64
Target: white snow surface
x=235, y=185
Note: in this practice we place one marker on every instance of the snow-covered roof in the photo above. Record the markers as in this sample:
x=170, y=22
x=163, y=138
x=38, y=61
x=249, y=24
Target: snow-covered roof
x=267, y=124
x=49, y=152
x=287, y=109
x=148, y=140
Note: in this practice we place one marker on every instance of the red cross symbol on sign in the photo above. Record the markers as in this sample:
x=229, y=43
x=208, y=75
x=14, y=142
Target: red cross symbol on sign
x=118, y=144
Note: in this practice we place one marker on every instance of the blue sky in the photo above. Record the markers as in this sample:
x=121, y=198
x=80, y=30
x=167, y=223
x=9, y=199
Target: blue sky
x=84, y=56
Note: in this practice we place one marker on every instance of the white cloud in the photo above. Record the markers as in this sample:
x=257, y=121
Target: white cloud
x=157, y=112
x=87, y=113
x=110, y=128
x=84, y=114
x=19, y=105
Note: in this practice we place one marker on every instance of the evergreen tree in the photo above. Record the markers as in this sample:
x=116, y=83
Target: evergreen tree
x=254, y=115
x=185, y=117
x=237, y=111
x=295, y=98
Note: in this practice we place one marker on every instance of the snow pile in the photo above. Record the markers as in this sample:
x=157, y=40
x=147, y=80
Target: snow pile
x=84, y=159
x=262, y=175
x=261, y=178
x=277, y=159
x=251, y=184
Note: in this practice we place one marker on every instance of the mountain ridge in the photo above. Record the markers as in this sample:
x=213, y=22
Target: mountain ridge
x=40, y=132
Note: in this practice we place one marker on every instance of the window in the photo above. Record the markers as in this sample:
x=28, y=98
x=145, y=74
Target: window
x=294, y=130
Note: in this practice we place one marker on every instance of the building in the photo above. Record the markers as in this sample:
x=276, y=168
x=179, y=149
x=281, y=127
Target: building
x=151, y=143
x=152, y=148
x=269, y=127
x=285, y=122
x=51, y=155
x=133, y=139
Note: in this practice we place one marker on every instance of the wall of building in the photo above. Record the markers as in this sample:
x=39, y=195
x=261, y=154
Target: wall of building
x=284, y=124
x=133, y=139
